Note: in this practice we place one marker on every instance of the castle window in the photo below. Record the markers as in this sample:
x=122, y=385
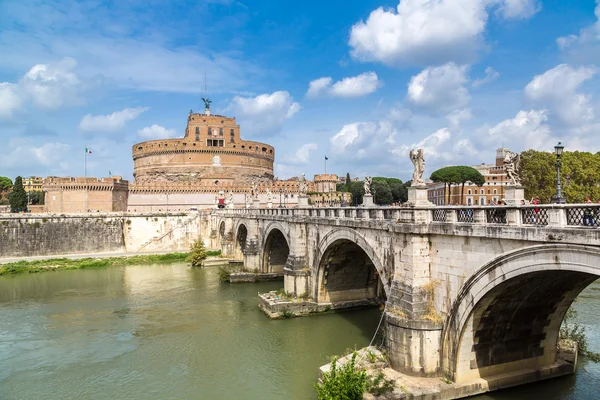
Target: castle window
x=197, y=130
x=271, y=151
x=140, y=148
x=197, y=138
x=232, y=132
x=264, y=149
x=221, y=131
x=243, y=147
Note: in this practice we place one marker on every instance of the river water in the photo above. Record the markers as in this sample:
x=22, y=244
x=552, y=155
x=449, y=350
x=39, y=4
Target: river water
x=172, y=332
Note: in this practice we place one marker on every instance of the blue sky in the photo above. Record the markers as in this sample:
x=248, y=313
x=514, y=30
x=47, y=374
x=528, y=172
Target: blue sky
x=361, y=82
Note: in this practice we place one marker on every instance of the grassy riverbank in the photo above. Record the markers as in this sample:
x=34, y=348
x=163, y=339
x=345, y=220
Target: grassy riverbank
x=59, y=264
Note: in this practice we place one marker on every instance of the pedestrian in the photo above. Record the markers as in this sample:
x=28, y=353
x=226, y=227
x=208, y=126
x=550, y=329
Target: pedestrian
x=588, y=214
x=535, y=200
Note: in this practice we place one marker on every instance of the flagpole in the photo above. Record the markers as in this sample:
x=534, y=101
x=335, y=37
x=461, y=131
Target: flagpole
x=325, y=165
x=85, y=176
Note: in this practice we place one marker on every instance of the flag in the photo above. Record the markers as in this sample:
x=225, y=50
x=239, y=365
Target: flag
x=88, y=151
x=326, y=158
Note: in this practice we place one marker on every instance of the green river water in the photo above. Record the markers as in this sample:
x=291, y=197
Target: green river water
x=173, y=332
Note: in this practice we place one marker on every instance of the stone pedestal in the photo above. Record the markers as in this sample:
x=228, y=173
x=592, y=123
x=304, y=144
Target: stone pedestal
x=368, y=200
x=270, y=204
x=230, y=206
x=417, y=196
x=302, y=201
x=513, y=195
x=256, y=203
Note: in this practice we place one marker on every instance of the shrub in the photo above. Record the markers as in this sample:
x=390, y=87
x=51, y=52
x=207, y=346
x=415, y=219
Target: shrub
x=197, y=253
x=576, y=333
x=345, y=382
x=379, y=385
x=224, y=273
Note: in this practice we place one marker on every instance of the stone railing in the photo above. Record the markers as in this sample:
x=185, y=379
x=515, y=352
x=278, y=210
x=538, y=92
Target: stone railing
x=527, y=215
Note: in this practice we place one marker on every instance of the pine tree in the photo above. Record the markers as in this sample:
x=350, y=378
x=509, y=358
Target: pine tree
x=18, y=197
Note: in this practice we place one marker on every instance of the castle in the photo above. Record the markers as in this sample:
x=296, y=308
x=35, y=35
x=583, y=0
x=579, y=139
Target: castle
x=211, y=161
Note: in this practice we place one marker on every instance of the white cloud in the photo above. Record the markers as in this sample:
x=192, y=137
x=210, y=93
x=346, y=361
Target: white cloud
x=363, y=140
x=265, y=113
x=25, y=154
x=584, y=45
x=457, y=117
x=354, y=86
x=527, y=130
x=53, y=85
x=318, y=86
x=426, y=32
x=48, y=86
x=519, y=9
x=439, y=90
x=431, y=145
x=557, y=90
x=156, y=132
x=302, y=155
x=10, y=100
x=490, y=75
x=111, y=122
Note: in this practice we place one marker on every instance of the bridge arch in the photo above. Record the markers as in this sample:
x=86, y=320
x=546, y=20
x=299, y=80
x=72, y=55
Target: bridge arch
x=241, y=236
x=275, y=247
x=508, y=314
x=341, y=254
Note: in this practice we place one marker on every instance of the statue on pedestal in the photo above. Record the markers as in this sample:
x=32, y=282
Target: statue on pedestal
x=269, y=196
x=230, y=197
x=367, y=185
x=511, y=165
x=419, y=162
x=254, y=190
x=302, y=187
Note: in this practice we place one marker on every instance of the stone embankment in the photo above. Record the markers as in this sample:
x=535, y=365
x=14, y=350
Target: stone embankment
x=26, y=235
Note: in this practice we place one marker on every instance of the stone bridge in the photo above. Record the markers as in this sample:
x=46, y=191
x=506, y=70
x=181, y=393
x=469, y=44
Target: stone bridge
x=471, y=293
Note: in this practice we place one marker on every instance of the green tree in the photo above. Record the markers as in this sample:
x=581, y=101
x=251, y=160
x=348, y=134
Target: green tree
x=458, y=174
x=345, y=382
x=5, y=184
x=36, y=197
x=357, y=191
x=197, y=253
x=348, y=181
x=447, y=175
x=399, y=191
x=580, y=175
x=382, y=192
x=18, y=197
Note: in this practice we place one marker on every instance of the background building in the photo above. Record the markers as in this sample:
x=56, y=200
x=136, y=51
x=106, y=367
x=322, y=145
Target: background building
x=72, y=195
x=492, y=190
x=33, y=184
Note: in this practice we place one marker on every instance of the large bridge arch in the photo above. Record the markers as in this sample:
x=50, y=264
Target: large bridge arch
x=276, y=245
x=337, y=244
x=507, y=315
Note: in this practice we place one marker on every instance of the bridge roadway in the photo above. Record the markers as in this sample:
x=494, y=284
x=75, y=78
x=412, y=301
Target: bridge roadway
x=471, y=293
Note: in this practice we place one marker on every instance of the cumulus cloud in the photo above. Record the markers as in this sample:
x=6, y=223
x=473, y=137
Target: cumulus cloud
x=361, y=140
x=426, y=32
x=557, y=88
x=47, y=86
x=10, y=100
x=265, y=113
x=457, y=117
x=354, y=86
x=490, y=75
x=527, y=130
x=113, y=122
x=156, y=132
x=302, y=155
x=22, y=154
x=585, y=46
x=439, y=90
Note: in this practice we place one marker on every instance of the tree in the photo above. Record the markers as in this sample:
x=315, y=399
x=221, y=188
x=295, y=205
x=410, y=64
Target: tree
x=5, y=184
x=18, y=197
x=580, y=175
x=197, y=253
x=348, y=180
x=458, y=174
x=382, y=192
x=447, y=175
x=36, y=197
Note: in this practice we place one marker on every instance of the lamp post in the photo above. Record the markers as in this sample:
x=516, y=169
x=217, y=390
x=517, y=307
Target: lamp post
x=280, y=194
x=558, y=199
x=28, y=191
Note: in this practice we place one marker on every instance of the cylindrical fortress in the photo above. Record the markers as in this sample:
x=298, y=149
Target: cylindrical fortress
x=211, y=150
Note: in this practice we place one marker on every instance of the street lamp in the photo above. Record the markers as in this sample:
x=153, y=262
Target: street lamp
x=558, y=199
x=280, y=194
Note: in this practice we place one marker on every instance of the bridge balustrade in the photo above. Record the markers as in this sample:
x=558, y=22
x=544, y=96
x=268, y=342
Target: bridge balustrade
x=572, y=215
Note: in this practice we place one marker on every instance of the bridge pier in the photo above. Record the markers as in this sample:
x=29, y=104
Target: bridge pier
x=252, y=259
x=296, y=277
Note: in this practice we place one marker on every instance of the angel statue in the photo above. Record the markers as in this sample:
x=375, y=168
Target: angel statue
x=230, y=197
x=511, y=165
x=255, y=190
x=269, y=196
x=302, y=185
x=367, y=185
x=419, y=162
x=206, y=103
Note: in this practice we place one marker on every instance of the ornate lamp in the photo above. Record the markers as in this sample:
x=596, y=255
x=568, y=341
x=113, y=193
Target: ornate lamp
x=558, y=199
